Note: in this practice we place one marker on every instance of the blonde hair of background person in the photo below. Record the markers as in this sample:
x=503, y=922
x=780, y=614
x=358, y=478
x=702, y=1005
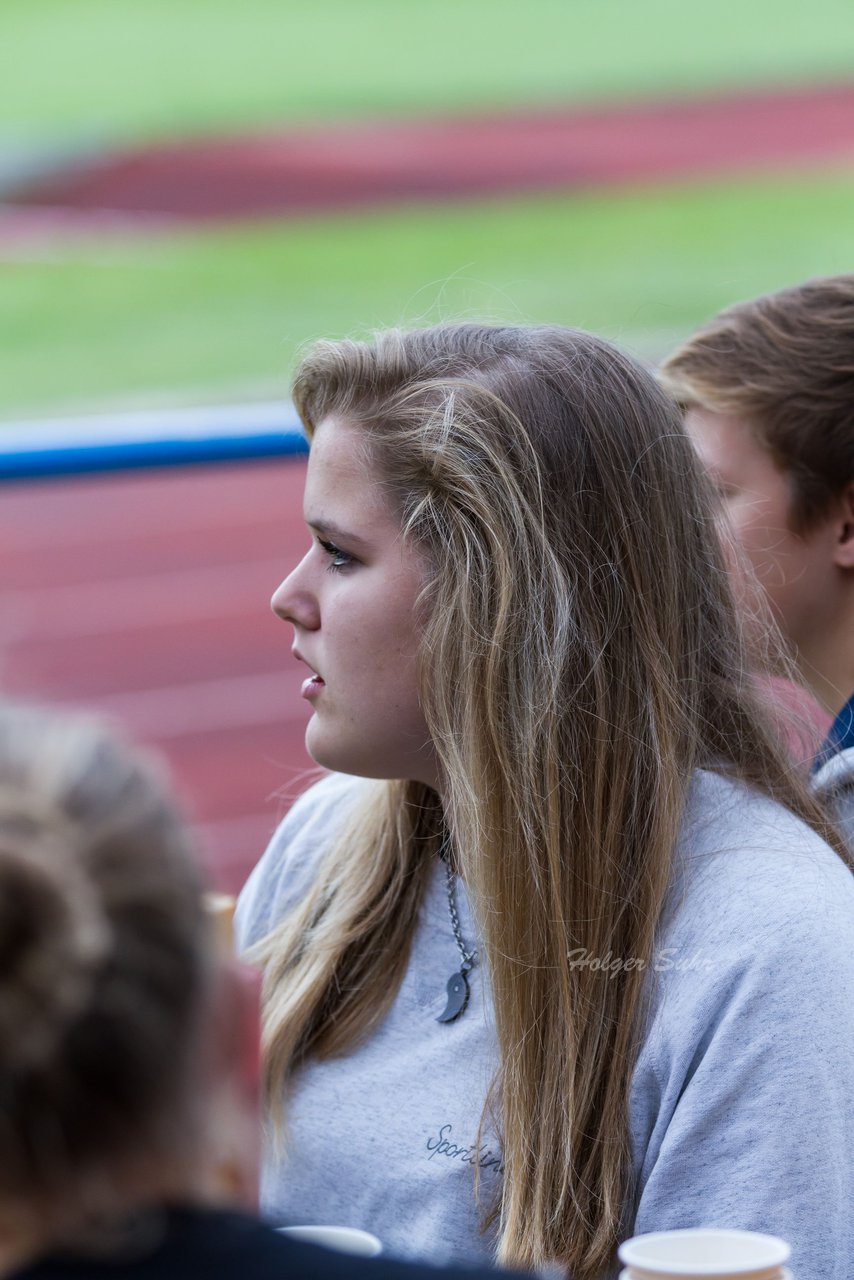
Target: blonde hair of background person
x=767, y=387
x=578, y=660
x=768, y=390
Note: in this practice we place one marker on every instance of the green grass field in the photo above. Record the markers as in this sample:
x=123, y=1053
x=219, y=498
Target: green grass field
x=223, y=314
x=219, y=314
x=89, y=69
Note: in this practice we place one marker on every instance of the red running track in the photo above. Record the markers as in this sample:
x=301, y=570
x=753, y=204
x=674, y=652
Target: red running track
x=146, y=597
x=327, y=167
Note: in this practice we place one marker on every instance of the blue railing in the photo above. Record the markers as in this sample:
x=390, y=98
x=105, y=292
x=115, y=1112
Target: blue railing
x=119, y=442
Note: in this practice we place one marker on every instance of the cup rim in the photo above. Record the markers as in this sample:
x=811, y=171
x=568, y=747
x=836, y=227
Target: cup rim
x=350, y=1240
x=761, y=1251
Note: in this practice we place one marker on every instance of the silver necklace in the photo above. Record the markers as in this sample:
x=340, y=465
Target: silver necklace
x=458, y=986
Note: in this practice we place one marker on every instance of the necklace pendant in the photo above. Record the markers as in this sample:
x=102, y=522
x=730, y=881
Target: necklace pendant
x=458, y=998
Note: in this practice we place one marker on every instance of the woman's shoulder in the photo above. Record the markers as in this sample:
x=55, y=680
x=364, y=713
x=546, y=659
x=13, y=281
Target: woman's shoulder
x=755, y=941
x=754, y=885
x=286, y=868
x=743, y=1091
x=734, y=834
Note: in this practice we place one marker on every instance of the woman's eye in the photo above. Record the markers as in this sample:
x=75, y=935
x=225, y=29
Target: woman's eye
x=338, y=559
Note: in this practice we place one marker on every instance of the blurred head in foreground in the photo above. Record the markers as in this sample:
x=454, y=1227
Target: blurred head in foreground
x=767, y=387
x=105, y=975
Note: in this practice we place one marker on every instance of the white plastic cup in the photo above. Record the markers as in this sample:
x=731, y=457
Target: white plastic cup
x=352, y=1240
x=713, y=1254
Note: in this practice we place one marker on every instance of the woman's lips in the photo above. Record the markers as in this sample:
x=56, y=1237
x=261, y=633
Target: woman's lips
x=312, y=686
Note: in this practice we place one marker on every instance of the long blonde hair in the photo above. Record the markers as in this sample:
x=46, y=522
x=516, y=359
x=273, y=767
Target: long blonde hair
x=580, y=660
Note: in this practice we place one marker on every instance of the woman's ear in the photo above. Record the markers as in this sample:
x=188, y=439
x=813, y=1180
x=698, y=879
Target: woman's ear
x=844, y=551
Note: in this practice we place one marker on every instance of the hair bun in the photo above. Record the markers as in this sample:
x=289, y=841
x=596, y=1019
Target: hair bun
x=53, y=935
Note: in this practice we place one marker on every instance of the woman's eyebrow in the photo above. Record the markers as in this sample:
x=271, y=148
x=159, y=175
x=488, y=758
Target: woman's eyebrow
x=329, y=529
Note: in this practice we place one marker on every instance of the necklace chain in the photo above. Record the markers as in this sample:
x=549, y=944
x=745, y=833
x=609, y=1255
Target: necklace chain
x=457, y=990
x=469, y=958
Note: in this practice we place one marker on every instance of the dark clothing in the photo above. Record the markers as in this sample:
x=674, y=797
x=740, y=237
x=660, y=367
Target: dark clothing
x=842, y=730
x=841, y=735
x=196, y=1243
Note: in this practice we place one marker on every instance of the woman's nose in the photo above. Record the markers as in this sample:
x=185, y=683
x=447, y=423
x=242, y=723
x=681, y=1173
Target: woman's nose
x=294, y=601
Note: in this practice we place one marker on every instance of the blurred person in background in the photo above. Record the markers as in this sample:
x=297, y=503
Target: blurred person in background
x=119, y=1030
x=548, y=955
x=767, y=388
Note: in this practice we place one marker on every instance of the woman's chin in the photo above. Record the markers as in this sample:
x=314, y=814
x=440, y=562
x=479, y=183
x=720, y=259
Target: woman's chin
x=315, y=747
x=334, y=755
x=394, y=761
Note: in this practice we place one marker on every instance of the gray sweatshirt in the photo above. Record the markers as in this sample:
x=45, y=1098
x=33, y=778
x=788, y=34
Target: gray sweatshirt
x=742, y=1099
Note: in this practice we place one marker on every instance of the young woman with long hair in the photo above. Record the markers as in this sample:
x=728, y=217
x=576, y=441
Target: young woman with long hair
x=550, y=955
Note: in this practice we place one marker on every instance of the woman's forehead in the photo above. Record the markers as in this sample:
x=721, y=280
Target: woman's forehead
x=342, y=489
